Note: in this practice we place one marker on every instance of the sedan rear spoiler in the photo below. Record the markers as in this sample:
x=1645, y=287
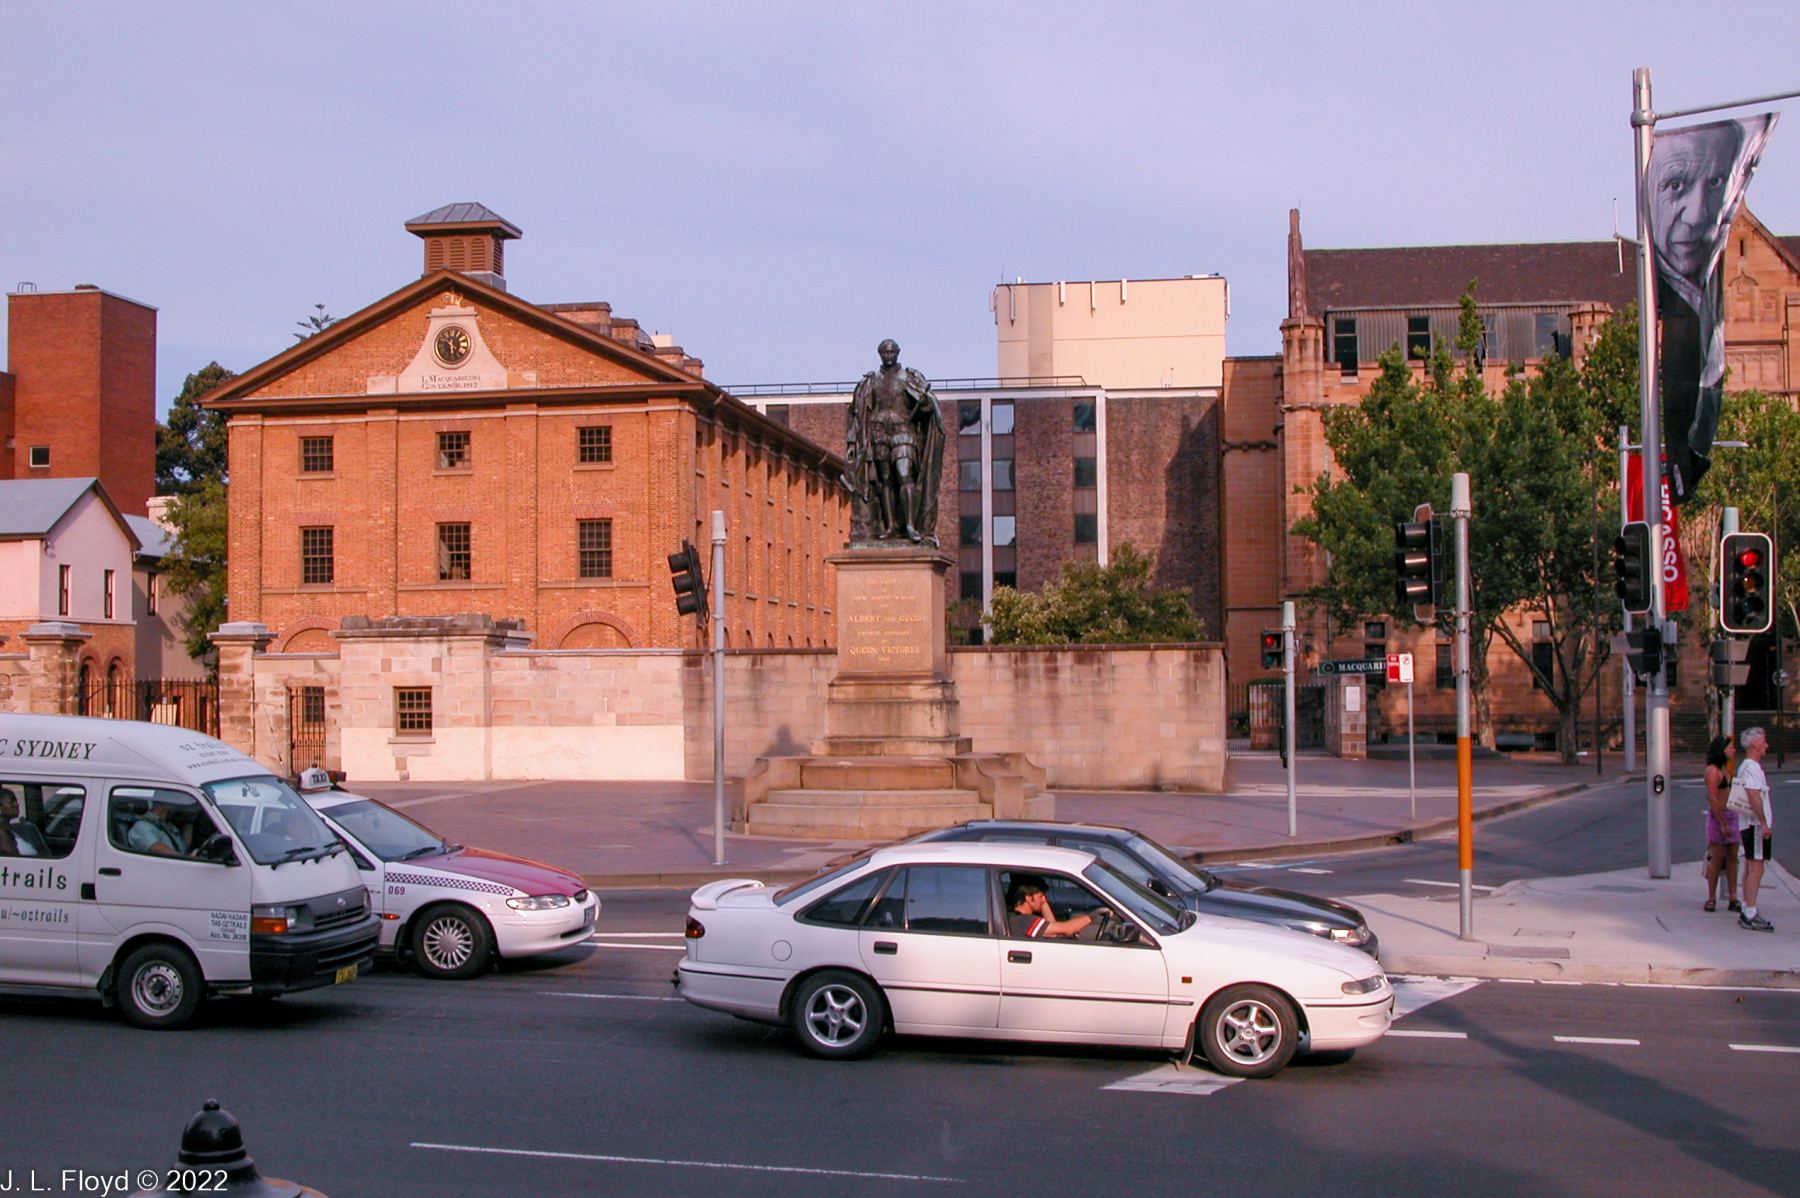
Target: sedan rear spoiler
x=707, y=897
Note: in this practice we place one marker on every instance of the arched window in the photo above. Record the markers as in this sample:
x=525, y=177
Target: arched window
x=459, y=255
x=84, y=686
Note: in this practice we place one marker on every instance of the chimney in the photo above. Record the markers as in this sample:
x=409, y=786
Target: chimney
x=467, y=238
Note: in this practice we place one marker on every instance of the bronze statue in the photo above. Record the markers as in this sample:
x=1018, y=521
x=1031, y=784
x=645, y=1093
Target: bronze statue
x=894, y=455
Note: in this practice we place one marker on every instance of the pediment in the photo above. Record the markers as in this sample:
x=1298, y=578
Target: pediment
x=448, y=333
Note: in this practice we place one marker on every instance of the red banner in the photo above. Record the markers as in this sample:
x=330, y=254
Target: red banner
x=1673, y=565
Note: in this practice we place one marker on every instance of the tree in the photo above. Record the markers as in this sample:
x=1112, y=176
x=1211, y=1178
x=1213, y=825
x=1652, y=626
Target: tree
x=190, y=445
x=1762, y=481
x=315, y=324
x=1114, y=604
x=1537, y=456
x=191, y=465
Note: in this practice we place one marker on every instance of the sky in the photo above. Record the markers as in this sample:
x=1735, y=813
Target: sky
x=782, y=185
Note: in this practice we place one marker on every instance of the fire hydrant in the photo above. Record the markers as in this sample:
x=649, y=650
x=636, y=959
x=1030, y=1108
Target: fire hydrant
x=212, y=1144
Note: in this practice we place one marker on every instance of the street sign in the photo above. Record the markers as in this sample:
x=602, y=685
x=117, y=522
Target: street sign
x=1399, y=667
x=1366, y=665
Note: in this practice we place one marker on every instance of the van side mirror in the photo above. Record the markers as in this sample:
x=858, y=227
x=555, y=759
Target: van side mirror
x=217, y=849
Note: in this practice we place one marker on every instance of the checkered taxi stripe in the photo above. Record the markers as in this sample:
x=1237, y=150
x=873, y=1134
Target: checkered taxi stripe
x=448, y=882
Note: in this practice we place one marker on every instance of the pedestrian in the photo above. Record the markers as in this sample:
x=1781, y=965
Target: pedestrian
x=1721, y=827
x=1756, y=824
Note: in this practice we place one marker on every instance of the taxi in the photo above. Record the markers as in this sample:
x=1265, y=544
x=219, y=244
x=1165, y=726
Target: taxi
x=449, y=909
x=1021, y=942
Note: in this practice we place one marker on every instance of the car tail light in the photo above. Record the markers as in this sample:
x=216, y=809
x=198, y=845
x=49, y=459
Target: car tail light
x=695, y=929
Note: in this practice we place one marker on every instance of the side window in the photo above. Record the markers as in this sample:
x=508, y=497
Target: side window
x=947, y=898
x=157, y=822
x=1068, y=898
x=1116, y=857
x=40, y=819
x=887, y=912
x=844, y=906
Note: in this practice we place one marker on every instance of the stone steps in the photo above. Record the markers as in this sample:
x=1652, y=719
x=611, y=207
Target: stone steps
x=930, y=797
x=878, y=773
x=859, y=823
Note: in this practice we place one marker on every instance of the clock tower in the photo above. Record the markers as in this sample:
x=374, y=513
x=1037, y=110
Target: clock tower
x=467, y=238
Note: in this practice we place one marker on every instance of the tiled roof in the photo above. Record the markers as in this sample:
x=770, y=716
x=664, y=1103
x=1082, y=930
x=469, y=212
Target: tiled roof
x=479, y=215
x=30, y=507
x=1427, y=276
x=153, y=539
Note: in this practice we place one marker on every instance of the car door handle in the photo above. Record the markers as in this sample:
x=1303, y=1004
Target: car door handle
x=886, y=948
x=107, y=871
x=1018, y=956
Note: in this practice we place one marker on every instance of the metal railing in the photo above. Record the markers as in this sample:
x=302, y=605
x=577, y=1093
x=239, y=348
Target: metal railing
x=179, y=702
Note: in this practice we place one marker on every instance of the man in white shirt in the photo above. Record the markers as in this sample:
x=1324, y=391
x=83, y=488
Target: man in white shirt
x=1757, y=828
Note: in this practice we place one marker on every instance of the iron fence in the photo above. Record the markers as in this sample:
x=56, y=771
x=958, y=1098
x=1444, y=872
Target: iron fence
x=179, y=702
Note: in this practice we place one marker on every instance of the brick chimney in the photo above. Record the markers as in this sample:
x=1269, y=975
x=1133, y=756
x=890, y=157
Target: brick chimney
x=466, y=238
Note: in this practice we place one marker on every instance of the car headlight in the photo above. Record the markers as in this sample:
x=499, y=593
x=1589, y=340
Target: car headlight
x=1365, y=985
x=1355, y=935
x=538, y=902
x=276, y=921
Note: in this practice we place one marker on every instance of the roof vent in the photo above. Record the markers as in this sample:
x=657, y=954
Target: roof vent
x=465, y=237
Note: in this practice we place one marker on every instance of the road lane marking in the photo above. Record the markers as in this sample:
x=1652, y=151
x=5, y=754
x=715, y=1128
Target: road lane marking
x=1191, y=1081
x=1595, y=1040
x=1452, y=885
x=622, y=997
x=1301, y=870
x=651, y=1160
x=638, y=935
x=1395, y=1031
x=1414, y=993
x=661, y=948
x=1764, y=1048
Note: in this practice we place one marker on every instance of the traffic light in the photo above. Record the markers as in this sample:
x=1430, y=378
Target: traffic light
x=689, y=583
x=1274, y=652
x=1644, y=651
x=1415, y=563
x=1747, y=561
x=1631, y=560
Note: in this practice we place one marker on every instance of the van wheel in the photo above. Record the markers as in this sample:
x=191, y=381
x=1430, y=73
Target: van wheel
x=1248, y=1031
x=451, y=942
x=159, y=987
x=838, y=1014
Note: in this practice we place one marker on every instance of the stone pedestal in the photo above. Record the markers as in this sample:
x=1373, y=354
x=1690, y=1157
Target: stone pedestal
x=53, y=672
x=894, y=761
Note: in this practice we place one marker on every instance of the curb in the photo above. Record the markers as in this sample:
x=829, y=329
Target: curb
x=691, y=879
x=1281, y=849
x=1619, y=973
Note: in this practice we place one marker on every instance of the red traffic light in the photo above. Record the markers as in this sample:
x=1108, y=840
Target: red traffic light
x=1749, y=558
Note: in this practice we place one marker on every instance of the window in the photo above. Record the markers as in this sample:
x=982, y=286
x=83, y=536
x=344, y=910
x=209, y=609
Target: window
x=595, y=548
x=412, y=709
x=1418, y=337
x=1001, y=414
x=1006, y=578
x=1546, y=338
x=39, y=819
x=150, y=589
x=1375, y=630
x=844, y=908
x=40, y=455
x=157, y=822
x=386, y=833
x=318, y=559
x=453, y=552
x=1343, y=344
x=968, y=475
x=1067, y=897
x=969, y=583
x=1087, y=472
x=107, y=590
x=1006, y=529
x=275, y=825
x=594, y=444
x=1446, y=669
x=1087, y=528
x=62, y=590
x=779, y=413
x=1003, y=474
x=1543, y=657
x=453, y=451
x=968, y=530
x=968, y=416
x=1084, y=416
x=316, y=456
x=949, y=899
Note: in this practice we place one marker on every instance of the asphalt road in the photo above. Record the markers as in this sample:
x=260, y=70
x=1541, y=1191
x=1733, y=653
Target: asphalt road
x=582, y=1076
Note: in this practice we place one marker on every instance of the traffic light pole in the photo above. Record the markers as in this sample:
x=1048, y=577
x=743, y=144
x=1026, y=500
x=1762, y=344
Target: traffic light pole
x=1287, y=678
x=1460, y=511
x=1656, y=705
x=1728, y=524
x=718, y=664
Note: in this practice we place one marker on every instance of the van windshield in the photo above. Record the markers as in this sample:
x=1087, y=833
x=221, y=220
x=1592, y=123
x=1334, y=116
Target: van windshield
x=275, y=824
x=385, y=832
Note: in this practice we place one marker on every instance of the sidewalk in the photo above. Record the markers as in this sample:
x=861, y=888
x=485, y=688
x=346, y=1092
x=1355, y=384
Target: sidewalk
x=634, y=834
x=1618, y=927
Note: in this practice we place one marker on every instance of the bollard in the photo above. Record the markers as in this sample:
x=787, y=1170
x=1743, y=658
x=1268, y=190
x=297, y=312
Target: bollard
x=212, y=1143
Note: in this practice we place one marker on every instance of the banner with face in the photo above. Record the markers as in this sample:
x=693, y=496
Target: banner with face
x=1697, y=180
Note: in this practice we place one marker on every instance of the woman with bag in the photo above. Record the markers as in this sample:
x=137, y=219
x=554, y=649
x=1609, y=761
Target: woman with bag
x=1721, y=826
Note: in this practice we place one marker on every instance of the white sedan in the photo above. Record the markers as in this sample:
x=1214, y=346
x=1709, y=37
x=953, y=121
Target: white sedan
x=1021, y=942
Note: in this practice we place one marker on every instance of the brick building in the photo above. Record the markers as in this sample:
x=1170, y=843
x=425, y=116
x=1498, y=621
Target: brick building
x=1348, y=306
x=1101, y=427
x=452, y=448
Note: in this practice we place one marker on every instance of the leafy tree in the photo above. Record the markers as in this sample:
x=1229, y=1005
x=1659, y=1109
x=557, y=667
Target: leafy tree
x=191, y=465
x=315, y=324
x=1114, y=604
x=1538, y=459
x=190, y=445
x=1762, y=481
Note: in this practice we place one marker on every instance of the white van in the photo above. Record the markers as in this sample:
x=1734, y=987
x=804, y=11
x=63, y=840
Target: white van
x=155, y=866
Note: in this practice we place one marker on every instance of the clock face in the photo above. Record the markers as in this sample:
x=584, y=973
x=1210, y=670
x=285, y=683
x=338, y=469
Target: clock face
x=452, y=344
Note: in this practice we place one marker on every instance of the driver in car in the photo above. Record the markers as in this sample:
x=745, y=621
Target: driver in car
x=1029, y=914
